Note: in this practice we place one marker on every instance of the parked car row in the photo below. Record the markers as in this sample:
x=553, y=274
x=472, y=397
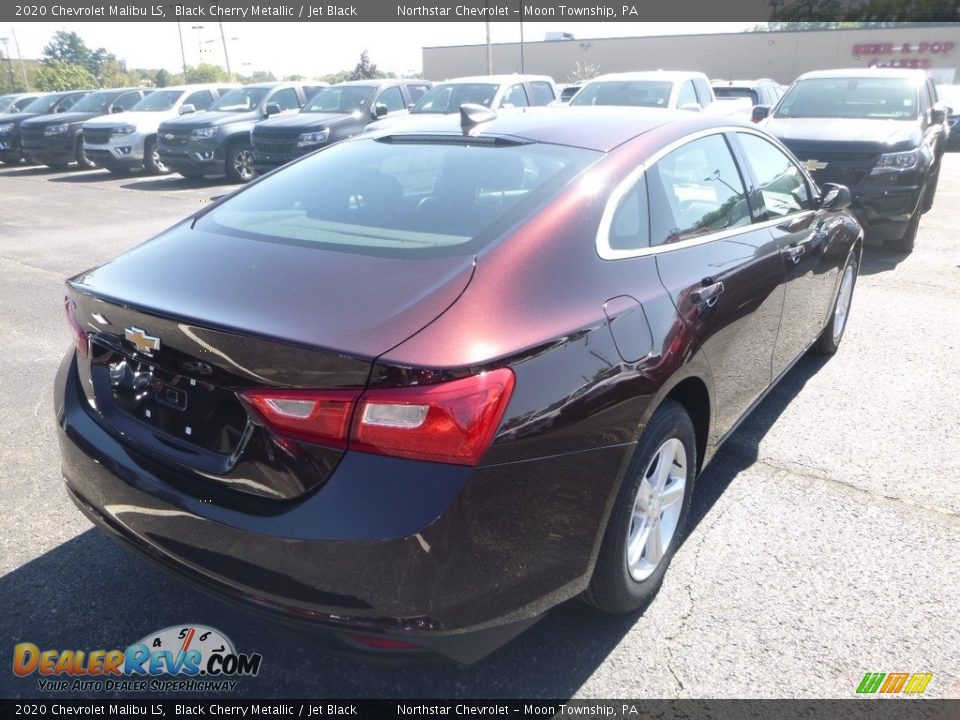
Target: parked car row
x=880, y=132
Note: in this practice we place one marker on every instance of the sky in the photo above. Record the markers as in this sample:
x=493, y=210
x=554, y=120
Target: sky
x=314, y=49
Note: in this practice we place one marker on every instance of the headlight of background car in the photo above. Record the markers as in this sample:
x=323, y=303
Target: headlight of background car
x=124, y=130
x=6, y=127
x=205, y=132
x=56, y=129
x=897, y=162
x=313, y=138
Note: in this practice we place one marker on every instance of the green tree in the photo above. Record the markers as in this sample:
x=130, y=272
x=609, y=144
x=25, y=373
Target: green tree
x=366, y=70
x=56, y=75
x=69, y=48
x=260, y=76
x=206, y=73
x=294, y=77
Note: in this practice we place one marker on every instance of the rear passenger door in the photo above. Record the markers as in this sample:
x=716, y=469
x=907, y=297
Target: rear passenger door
x=725, y=275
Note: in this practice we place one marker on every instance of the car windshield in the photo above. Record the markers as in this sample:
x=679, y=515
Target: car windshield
x=858, y=97
x=630, y=93
x=43, y=104
x=448, y=98
x=158, y=100
x=240, y=100
x=95, y=102
x=343, y=99
x=416, y=197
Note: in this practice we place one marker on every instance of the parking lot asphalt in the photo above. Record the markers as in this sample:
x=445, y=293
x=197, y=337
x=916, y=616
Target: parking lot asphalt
x=824, y=539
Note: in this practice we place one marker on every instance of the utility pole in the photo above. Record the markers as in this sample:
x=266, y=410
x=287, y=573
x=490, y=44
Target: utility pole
x=198, y=28
x=6, y=54
x=23, y=68
x=489, y=50
x=522, y=64
x=183, y=53
x=226, y=55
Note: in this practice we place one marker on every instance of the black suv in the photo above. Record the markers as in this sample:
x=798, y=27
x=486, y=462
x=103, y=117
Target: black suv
x=334, y=114
x=57, y=140
x=218, y=141
x=10, y=151
x=880, y=132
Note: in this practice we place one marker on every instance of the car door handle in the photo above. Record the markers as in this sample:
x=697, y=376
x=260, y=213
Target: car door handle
x=794, y=252
x=708, y=293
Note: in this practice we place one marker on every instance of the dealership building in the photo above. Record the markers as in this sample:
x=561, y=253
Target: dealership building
x=781, y=56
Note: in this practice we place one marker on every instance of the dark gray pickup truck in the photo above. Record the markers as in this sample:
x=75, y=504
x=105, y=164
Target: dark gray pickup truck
x=217, y=142
x=880, y=132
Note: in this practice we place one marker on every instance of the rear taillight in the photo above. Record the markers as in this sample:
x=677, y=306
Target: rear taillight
x=450, y=422
x=80, y=338
x=315, y=416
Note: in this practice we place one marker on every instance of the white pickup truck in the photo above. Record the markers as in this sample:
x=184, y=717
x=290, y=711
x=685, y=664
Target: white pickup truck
x=668, y=90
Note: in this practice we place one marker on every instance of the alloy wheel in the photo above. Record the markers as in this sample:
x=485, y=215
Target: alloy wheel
x=843, y=303
x=656, y=509
x=243, y=164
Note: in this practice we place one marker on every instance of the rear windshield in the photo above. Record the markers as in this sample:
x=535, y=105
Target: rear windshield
x=95, y=102
x=158, y=100
x=43, y=104
x=240, y=100
x=344, y=99
x=867, y=98
x=448, y=98
x=737, y=92
x=419, y=198
x=629, y=93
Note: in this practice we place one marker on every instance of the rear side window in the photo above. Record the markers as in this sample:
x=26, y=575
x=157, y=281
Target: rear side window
x=127, y=100
x=418, y=198
x=68, y=102
x=779, y=180
x=542, y=93
x=630, y=228
x=21, y=104
x=201, y=100
x=694, y=191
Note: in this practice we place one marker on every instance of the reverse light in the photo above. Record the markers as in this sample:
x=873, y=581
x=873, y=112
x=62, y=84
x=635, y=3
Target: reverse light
x=897, y=162
x=80, y=339
x=450, y=422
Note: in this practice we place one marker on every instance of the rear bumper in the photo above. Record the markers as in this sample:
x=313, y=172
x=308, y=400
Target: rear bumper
x=455, y=560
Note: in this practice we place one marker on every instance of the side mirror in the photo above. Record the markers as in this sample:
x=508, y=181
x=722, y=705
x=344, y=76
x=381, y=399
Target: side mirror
x=116, y=109
x=835, y=197
x=380, y=110
x=938, y=115
x=273, y=109
x=691, y=107
x=411, y=106
x=760, y=112
x=187, y=109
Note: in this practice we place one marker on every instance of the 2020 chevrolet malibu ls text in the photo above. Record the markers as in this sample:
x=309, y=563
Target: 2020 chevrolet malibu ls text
x=419, y=387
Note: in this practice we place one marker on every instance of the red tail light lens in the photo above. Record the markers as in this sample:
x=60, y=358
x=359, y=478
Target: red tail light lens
x=80, y=338
x=311, y=415
x=382, y=642
x=452, y=422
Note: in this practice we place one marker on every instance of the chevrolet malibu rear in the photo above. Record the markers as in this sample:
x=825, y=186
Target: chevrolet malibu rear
x=396, y=392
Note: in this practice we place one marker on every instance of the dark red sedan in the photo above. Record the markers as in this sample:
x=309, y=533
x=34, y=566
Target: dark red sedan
x=419, y=387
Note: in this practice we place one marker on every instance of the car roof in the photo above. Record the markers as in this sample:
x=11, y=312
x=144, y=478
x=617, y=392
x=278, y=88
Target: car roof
x=672, y=75
x=379, y=82
x=200, y=86
x=743, y=83
x=917, y=76
x=497, y=79
x=592, y=128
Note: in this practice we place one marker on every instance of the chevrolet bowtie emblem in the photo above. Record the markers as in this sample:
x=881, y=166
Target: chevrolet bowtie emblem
x=143, y=342
x=812, y=165
x=169, y=136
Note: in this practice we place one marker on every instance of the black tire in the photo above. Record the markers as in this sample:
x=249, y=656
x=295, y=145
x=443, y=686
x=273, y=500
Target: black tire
x=151, y=159
x=80, y=154
x=239, y=162
x=613, y=589
x=829, y=341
